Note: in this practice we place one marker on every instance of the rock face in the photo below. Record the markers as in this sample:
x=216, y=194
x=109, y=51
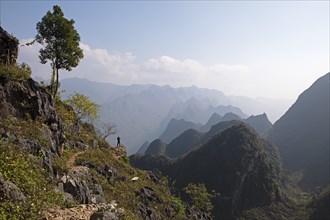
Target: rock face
x=76, y=184
x=302, y=134
x=28, y=99
x=8, y=48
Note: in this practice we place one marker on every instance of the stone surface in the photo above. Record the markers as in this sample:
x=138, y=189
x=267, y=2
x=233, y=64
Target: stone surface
x=10, y=191
x=8, y=48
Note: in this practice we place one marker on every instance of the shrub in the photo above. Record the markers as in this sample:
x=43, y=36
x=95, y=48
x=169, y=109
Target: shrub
x=200, y=198
x=16, y=72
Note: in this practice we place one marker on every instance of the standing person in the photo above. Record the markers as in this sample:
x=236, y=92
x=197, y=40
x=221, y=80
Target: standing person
x=118, y=141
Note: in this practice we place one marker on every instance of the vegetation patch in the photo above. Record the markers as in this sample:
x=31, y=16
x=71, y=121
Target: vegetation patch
x=23, y=170
x=15, y=72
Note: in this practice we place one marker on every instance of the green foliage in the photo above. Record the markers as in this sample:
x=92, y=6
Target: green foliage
x=16, y=72
x=83, y=106
x=61, y=42
x=60, y=163
x=199, y=197
x=24, y=128
x=20, y=168
x=124, y=192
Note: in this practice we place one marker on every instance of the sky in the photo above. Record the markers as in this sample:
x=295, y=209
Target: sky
x=273, y=49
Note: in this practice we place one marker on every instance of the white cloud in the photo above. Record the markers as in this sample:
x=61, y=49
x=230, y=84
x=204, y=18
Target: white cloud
x=121, y=68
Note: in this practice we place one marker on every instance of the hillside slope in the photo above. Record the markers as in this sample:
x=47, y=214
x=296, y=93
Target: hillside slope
x=236, y=163
x=53, y=166
x=302, y=134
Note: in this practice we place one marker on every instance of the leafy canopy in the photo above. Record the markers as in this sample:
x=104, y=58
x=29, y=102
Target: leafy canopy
x=83, y=106
x=61, y=43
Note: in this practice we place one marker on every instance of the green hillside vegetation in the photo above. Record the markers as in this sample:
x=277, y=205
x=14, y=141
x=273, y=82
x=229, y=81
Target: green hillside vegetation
x=43, y=148
x=246, y=170
x=15, y=72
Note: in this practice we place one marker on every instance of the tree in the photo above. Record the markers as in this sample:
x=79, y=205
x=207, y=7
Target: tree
x=199, y=197
x=106, y=129
x=83, y=107
x=61, y=44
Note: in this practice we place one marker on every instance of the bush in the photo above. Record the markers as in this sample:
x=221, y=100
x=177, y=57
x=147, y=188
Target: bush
x=16, y=72
x=200, y=198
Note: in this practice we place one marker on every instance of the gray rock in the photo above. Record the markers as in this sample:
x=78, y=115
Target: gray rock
x=77, y=188
x=9, y=191
x=147, y=194
x=27, y=98
x=104, y=215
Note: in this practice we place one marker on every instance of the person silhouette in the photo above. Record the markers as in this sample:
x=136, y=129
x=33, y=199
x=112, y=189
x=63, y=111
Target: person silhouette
x=118, y=141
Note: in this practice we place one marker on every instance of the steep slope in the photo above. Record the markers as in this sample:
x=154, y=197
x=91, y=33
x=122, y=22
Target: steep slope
x=274, y=108
x=156, y=148
x=260, y=123
x=217, y=128
x=320, y=205
x=176, y=127
x=236, y=163
x=184, y=143
x=143, y=148
x=214, y=119
x=53, y=166
x=302, y=134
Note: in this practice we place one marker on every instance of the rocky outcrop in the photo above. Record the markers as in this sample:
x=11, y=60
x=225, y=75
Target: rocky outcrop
x=30, y=100
x=79, y=183
x=8, y=48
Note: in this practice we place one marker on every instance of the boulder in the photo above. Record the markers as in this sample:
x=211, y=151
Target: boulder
x=10, y=191
x=104, y=215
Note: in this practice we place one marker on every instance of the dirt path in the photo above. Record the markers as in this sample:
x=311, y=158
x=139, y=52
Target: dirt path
x=70, y=163
x=80, y=212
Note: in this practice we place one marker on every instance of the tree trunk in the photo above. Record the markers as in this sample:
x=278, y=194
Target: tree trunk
x=56, y=83
x=52, y=82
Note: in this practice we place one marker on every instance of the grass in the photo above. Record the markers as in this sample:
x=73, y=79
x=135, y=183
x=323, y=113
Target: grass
x=16, y=72
x=124, y=191
x=24, y=128
x=22, y=169
x=38, y=186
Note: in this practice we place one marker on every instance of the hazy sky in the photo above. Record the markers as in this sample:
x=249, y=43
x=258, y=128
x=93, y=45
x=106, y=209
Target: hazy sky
x=273, y=49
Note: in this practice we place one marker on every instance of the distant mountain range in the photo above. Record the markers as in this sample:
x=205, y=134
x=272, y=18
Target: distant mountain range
x=233, y=159
x=236, y=163
x=142, y=112
x=302, y=134
x=182, y=136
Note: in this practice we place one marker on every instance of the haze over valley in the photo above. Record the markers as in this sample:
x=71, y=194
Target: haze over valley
x=164, y=110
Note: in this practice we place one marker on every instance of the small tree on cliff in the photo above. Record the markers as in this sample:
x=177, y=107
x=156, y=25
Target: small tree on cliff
x=61, y=44
x=84, y=108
